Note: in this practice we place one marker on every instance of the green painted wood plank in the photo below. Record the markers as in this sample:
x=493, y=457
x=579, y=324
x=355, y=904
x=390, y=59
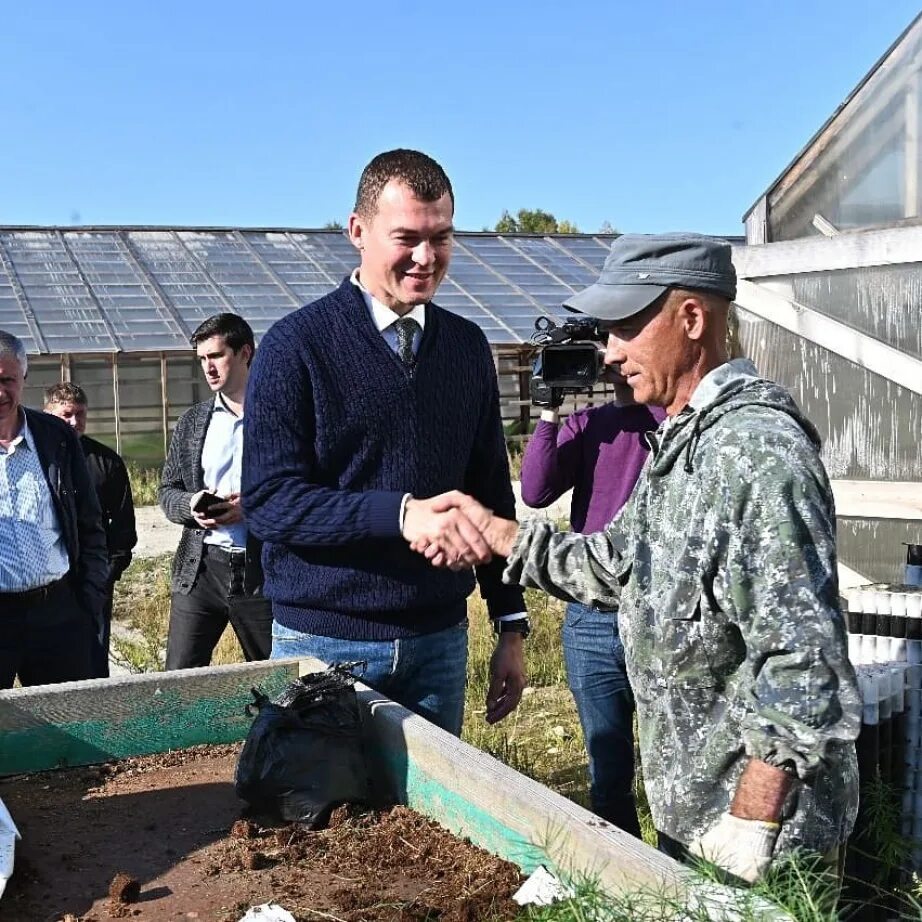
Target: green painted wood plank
x=82, y=723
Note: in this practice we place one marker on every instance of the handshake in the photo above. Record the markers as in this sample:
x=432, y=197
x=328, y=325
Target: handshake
x=453, y=530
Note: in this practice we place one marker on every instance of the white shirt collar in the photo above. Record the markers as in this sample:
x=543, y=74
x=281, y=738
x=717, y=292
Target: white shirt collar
x=221, y=404
x=23, y=438
x=382, y=315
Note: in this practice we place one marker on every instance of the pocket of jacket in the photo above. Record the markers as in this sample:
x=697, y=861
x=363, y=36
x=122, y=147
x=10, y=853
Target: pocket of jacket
x=680, y=639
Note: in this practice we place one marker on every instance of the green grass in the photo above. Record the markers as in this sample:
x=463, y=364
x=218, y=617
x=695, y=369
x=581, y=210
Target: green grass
x=145, y=483
x=145, y=448
x=142, y=603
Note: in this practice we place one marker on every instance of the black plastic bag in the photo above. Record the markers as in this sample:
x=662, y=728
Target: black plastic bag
x=304, y=755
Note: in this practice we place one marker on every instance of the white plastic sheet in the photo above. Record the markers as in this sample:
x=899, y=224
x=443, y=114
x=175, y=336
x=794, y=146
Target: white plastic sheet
x=8, y=836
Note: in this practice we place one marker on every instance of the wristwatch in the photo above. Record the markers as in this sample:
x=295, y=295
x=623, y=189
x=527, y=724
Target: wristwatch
x=512, y=626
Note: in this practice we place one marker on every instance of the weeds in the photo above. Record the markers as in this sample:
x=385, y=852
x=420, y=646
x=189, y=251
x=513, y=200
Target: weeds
x=145, y=483
x=142, y=606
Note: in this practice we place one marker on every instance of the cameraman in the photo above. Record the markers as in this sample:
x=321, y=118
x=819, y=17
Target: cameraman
x=599, y=454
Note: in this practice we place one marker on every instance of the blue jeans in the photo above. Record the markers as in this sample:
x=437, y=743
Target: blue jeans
x=595, y=669
x=426, y=673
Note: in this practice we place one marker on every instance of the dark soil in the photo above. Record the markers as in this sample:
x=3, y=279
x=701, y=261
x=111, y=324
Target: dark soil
x=164, y=837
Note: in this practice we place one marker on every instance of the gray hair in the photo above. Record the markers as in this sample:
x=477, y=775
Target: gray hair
x=12, y=345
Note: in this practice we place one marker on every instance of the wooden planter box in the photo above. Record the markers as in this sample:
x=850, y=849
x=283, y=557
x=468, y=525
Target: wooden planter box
x=414, y=762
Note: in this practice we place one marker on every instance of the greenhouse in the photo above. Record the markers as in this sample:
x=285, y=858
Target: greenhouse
x=830, y=304
x=113, y=308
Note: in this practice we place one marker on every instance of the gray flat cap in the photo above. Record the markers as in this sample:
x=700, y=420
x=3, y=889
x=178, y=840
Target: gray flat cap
x=640, y=267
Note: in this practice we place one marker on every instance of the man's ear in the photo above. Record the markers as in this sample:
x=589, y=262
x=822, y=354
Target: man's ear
x=357, y=229
x=692, y=313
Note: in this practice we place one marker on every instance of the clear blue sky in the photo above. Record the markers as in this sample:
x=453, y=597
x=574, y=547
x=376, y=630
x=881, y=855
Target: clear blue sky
x=653, y=115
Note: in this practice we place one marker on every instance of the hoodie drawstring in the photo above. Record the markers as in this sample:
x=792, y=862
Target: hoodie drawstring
x=692, y=446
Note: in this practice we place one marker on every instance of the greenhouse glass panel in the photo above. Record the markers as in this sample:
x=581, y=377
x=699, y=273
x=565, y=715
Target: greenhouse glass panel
x=240, y=275
x=536, y=282
x=181, y=278
x=140, y=402
x=292, y=265
x=64, y=309
x=12, y=318
x=44, y=371
x=331, y=252
x=94, y=375
x=130, y=303
x=863, y=169
x=588, y=249
x=556, y=261
x=185, y=386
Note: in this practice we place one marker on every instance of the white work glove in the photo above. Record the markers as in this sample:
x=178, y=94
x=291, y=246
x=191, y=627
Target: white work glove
x=742, y=847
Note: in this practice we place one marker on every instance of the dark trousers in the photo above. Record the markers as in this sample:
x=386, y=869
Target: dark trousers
x=45, y=637
x=198, y=620
x=99, y=654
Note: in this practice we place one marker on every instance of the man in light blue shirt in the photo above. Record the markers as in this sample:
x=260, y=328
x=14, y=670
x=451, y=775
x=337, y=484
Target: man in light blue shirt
x=217, y=576
x=53, y=564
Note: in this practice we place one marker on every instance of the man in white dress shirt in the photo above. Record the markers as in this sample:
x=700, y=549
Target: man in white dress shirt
x=217, y=577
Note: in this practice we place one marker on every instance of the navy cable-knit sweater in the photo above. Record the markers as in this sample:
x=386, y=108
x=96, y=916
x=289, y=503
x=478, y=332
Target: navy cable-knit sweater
x=336, y=431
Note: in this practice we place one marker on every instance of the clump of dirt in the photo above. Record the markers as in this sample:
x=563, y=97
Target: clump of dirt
x=124, y=889
x=244, y=829
x=172, y=825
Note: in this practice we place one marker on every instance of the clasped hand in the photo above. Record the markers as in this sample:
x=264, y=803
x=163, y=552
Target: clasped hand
x=453, y=530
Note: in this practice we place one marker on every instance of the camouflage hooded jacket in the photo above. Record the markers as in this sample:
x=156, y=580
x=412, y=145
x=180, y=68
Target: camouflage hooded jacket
x=725, y=565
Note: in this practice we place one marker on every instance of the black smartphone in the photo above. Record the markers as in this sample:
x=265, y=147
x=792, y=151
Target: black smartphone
x=205, y=503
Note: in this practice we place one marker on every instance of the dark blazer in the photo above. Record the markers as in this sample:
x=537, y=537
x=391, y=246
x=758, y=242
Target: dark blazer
x=76, y=507
x=181, y=479
x=113, y=489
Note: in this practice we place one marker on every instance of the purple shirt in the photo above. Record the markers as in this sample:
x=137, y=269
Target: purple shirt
x=599, y=452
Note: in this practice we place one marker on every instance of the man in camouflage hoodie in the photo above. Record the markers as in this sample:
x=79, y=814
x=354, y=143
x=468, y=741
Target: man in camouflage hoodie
x=724, y=564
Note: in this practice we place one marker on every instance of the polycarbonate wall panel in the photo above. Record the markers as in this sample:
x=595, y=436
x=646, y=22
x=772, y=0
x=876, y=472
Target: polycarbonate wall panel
x=871, y=428
x=60, y=301
x=514, y=309
x=94, y=375
x=12, y=318
x=179, y=275
x=243, y=279
x=44, y=370
x=550, y=257
x=875, y=547
x=139, y=290
x=139, y=318
x=331, y=252
x=869, y=168
x=292, y=265
x=538, y=284
x=589, y=249
x=882, y=301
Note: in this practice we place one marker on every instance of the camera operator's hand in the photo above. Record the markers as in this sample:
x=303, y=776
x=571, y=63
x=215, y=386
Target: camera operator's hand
x=545, y=397
x=441, y=525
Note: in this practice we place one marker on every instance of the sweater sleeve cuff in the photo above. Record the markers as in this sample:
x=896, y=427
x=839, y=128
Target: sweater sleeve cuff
x=506, y=600
x=384, y=513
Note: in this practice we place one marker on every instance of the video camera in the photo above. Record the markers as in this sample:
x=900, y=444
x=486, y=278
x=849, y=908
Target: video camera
x=569, y=361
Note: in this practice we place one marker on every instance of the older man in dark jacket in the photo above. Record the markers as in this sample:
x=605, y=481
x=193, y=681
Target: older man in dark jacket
x=53, y=564
x=109, y=477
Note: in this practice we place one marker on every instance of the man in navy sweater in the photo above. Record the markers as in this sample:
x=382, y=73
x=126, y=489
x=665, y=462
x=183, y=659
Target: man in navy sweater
x=363, y=410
